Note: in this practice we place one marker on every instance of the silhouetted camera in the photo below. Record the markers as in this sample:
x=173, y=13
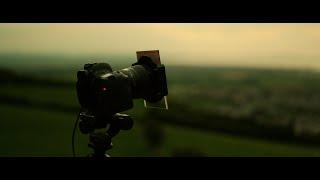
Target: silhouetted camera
x=103, y=92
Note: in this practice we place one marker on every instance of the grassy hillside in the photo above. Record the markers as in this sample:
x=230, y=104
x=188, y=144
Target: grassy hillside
x=212, y=112
x=31, y=132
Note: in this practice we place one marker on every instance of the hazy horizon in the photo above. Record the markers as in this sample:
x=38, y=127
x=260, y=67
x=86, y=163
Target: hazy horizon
x=238, y=45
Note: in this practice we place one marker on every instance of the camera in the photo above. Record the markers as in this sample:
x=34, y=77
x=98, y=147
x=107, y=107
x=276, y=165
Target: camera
x=103, y=92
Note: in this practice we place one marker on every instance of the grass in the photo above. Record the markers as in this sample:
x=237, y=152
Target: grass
x=40, y=94
x=31, y=132
x=216, y=144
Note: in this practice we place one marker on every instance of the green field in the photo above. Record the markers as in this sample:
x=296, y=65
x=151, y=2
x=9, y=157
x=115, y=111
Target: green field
x=212, y=112
x=30, y=132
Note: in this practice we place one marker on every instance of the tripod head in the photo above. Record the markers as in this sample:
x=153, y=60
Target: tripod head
x=101, y=141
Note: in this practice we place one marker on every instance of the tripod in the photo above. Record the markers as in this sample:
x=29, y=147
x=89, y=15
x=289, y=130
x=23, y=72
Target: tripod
x=101, y=141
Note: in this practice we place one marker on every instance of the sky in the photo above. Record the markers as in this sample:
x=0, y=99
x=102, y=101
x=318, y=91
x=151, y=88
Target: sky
x=249, y=45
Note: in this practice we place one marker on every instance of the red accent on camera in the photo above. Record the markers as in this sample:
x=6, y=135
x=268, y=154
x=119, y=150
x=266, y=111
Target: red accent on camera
x=103, y=88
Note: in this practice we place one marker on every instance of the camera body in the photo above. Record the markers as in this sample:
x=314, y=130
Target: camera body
x=104, y=92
